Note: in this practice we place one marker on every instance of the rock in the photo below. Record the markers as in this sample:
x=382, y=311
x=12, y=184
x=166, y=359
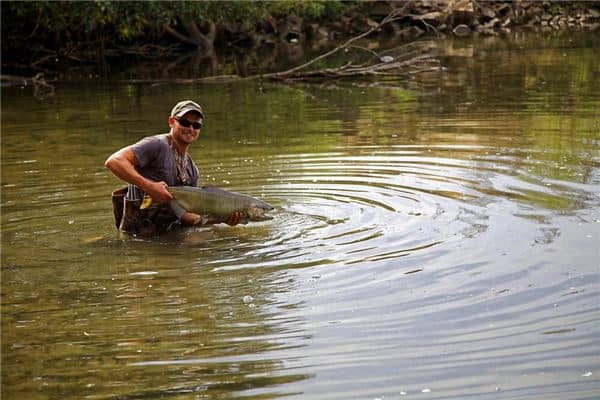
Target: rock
x=465, y=6
x=534, y=10
x=433, y=16
x=487, y=12
x=593, y=13
x=380, y=9
x=371, y=23
x=466, y=17
x=461, y=12
x=592, y=27
x=492, y=23
x=504, y=9
x=462, y=30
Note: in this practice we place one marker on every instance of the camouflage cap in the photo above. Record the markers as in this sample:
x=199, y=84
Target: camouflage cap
x=184, y=107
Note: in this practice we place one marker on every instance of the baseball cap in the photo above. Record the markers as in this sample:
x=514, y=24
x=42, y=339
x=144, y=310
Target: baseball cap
x=184, y=107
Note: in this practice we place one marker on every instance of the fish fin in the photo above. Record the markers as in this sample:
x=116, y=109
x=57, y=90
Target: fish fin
x=211, y=188
x=147, y=202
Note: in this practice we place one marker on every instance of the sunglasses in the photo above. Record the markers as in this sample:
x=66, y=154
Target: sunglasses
x=186, y=124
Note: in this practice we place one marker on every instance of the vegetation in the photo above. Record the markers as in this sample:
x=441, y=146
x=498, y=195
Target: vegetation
x=41, y=32
x=51, y=36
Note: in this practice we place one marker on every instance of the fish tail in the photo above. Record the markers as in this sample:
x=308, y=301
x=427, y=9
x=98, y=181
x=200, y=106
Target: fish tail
x=147, y=202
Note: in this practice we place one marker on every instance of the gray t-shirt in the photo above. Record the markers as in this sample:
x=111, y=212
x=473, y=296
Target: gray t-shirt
x=157, y=163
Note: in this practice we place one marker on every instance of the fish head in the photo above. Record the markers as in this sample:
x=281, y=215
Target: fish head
x=256, y=211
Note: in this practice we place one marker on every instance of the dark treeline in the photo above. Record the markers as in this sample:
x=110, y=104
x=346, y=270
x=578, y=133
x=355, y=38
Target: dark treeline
x=45, y=35
x=51, y=36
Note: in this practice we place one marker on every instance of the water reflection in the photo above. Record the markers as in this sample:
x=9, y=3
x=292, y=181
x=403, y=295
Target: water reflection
x=438, y=243
x=101, y=316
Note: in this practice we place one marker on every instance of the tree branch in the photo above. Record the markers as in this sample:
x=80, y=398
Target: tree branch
x=391, y=17
x=179, y=36
x=410, y=61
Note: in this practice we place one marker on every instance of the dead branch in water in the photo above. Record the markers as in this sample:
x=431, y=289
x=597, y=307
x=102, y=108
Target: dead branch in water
x=409, y=59
x=41, y=88
x=385, y=65
x=414, y=65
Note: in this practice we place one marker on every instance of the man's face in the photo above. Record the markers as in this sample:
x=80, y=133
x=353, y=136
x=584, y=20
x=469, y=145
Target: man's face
x=186, y=134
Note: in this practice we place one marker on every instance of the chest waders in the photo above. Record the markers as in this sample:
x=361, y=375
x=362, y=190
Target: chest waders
x=151, y=221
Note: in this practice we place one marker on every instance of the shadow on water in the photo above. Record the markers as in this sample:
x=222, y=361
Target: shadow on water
x=438, y=240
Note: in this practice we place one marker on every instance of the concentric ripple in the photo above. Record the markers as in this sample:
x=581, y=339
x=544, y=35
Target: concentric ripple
x=450, y=249
x=370, y=204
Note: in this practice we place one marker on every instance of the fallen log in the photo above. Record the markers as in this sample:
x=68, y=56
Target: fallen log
x=41, y=88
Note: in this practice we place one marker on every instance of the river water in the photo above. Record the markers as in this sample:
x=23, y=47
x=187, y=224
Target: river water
x=433, y=239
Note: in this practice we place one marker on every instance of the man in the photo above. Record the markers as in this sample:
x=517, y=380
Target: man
x=153, y=164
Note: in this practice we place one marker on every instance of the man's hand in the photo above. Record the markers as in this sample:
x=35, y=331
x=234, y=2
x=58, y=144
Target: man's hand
x=158, y=191
x=190, y=219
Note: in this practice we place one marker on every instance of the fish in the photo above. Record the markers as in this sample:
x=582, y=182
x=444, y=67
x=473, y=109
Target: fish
x=217, y=203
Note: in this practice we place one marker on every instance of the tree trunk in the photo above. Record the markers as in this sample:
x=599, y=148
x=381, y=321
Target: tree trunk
x=194, y=36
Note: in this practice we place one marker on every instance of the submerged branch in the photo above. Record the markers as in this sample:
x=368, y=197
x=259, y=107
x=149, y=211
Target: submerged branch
x=409, y=62
x=294, y=72
x=408, y=59
x=419, y=63
x=41, y=88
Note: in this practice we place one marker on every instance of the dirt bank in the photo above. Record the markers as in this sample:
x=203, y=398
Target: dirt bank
x=464, y=17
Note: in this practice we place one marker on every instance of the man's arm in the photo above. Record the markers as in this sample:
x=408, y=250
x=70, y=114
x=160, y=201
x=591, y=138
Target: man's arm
x=123, y=164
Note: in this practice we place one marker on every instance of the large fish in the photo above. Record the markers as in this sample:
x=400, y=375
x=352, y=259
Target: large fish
x=218, y=203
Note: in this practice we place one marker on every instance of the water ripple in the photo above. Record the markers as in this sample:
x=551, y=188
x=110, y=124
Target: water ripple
x=374, y=204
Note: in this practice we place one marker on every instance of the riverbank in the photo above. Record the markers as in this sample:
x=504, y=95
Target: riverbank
x=219, y=48
x=464, y=17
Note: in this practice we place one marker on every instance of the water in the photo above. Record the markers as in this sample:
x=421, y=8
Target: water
x=437, y=241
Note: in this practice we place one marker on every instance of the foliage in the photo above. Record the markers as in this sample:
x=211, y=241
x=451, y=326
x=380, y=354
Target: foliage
x=43, y=34
x=124, y=21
